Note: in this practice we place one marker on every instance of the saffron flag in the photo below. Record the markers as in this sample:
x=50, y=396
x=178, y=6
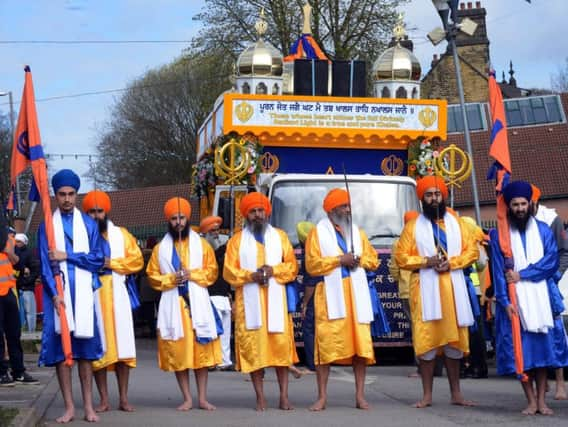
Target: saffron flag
x=305, y=47
x=501, y=172
x=28, y=151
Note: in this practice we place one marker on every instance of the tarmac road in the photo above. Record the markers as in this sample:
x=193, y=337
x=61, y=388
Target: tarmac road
x=155, y=395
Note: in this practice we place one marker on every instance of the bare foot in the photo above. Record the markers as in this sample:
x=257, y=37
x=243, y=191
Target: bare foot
x=185, y=406
x=260, y=405
x=560, y=395
x=285, y=405
x=91, y=416
x=319, y=405
x=103, y=407
x=296, y=373
x=545, y=410
x=458, y=400
x=362, y=404
x=203, y=404
x=126, y=407
x=529, y=410
x=424, y=403
x=66, y=417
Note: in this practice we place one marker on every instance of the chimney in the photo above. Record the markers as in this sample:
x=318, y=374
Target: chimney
x=478, y=5
x=469, y=5
x=462, y=6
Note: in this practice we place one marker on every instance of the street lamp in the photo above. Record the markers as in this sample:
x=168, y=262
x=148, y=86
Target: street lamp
x=447, y=9
x=12, y=132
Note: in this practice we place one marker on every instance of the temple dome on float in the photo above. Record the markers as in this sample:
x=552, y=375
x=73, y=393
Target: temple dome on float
x=397, y=62
x=260, y=58
x=396, y=73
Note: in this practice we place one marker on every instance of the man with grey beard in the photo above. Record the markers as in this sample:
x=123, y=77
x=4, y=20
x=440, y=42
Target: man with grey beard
x=220, y=291
x=259, y=262
x=340, y=252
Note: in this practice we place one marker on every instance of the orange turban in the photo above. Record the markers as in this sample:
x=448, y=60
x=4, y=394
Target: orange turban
x=431, y=181
x=336, y=197
x=410, y=215
x=535, y=194
x=209, y=222
x=177, y=205
x=255, y=200
x=96, y=199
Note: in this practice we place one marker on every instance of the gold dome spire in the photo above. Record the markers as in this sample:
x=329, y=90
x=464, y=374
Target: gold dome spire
x=260, y=58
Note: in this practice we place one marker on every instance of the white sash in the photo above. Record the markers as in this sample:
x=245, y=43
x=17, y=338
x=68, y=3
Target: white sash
x=429, y=278
x=533, y=298
x=123, y=322
x=169, y=314
x=81, y=319
x=251, y=291
x=333, y=282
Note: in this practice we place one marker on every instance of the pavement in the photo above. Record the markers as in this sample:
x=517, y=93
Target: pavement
x=390, y=392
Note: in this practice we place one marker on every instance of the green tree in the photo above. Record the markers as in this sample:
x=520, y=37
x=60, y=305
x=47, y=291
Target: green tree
x=344, y=29
x=150, y=137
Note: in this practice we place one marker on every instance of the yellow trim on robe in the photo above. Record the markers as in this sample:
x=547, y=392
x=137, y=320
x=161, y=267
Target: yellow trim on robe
x=436, y=333
x=337, y=341
x=132, y=263
x=258, y=349
x=185, y=353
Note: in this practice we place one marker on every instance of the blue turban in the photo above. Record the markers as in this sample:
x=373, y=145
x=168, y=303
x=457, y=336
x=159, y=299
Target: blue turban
x=65, y=178
x=517, y=189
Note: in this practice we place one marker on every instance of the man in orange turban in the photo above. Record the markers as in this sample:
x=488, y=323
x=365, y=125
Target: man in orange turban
x=339, y=252
x=259, y=262
x=181, y=267
x=436, y=247
x=122, y=259
x=220, y=291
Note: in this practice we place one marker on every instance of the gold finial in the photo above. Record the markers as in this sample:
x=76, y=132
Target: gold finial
x=307, y=19
x=398, y=30
x=261, y=25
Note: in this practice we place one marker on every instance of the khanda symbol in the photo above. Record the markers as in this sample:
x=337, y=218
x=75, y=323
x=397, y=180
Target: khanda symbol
x=232, y=161
x=455, y=165
x=23, y=145
x=269, y=162
x=427, y=117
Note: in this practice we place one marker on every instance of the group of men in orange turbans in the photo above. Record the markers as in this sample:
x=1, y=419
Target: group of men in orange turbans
x=258, y=263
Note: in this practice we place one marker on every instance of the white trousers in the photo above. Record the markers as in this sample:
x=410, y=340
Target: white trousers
x=223, y=307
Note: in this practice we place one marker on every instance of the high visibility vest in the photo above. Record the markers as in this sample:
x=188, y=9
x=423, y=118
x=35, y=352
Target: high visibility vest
x=7, y=278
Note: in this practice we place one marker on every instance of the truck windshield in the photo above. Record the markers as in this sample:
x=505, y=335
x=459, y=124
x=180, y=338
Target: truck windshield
x=378, y=207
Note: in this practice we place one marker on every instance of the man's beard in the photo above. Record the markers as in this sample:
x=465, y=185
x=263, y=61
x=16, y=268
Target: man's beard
x=257, y=227
x=184, y=233
x=519, y=223
x=103, y=226
x=434, y=213
x=213, y=240
x=343, y=222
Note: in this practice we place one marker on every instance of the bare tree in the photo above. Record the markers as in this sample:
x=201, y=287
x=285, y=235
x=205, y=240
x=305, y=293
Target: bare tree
x=559, y=80
x=345, y=29
x=5, y=155
x=150, y=137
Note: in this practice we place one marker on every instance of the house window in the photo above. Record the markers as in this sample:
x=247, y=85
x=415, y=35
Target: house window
x=533, y=110
x=385, y=93
x=414, y=93
x=401, y=93
x=275, y=89
x=475, y=118
x=245, y=88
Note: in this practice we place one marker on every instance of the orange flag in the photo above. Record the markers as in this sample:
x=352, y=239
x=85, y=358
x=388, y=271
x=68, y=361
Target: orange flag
x=27, y=151
x=501, y=172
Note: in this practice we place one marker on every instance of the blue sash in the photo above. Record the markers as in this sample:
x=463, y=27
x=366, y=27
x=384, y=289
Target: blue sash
x=440, y=238
x=343, y=245
x=183, y=291
x=380, y=324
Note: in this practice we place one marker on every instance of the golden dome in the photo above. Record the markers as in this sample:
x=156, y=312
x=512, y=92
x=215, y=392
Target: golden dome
x=260, y=58
x=397, y=62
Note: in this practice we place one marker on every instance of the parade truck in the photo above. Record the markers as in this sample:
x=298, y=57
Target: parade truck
x=295, y=149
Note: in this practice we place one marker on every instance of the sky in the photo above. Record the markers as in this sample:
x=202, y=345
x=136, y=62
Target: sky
x=530, y=35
